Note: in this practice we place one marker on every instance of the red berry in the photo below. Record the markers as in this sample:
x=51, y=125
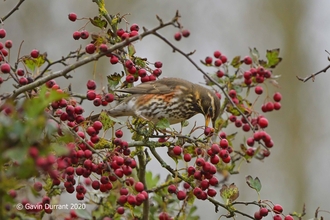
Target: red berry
x=163, y=216
x=171, y=188
x=208, y=60
x=23, y=81
x=134, y=27
x=177, y=150
x=90, y=48
x=247, y=75
x=114, y=59
x=181, y=195
x=129, y=64
x=84, y=34
x=120, y=210
x=187, y=157
x=250, y=141
x=223, y=58
x=224, y=143
x=177, y=36
x=139, y=186
x=263, y=211
x=109, y=97
x=157, y=72
x=119, y=133
x=130, y=78
x=263, y=122
x=76, y=35
x=185, y=33
x=277, y=217
x=8, y=44
x=250, y=151
x=158, y=64
x=257, y=215
x=97, y=125
x=258, y=90
x=5, y=68
x=142, y=72
x=2, y=33
x=21, y=72
x=226, y=159
x=211, y=192
x=269, y=106
x=103, y=47
x=72, y=16
x=37, y=186
x=277, y=97
x=13, y=193
x=91, y=131
x=125, y=36
x=220, y=73
x=91, y=84
x=120, y=32
x=277, y=209
x=288, y=217
x=277, y=106
x=247, y=60
x=232, y=93
x=34, y=53
x=217, y=54
x=217, y=62
x=91, y=95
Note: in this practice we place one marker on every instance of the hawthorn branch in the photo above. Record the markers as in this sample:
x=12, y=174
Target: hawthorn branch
x=12, y=11
x=89, y=59
x=313, y=75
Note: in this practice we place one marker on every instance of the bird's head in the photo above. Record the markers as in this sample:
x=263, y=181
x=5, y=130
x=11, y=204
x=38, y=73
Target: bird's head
x=209, y=105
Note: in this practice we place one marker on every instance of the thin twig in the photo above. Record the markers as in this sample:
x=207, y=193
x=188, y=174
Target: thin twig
x=313, y=75
x=80, y=63
x=12, y=11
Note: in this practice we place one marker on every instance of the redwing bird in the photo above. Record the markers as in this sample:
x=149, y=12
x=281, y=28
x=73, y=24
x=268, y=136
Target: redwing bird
x=174, y=99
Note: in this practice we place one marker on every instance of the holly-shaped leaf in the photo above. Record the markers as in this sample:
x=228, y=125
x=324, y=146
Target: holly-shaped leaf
x=98, y=22
x=34, y=63
x=254, y=183
x=273, y=58
x=113, y=81
x=236, y=62
x=229, y=194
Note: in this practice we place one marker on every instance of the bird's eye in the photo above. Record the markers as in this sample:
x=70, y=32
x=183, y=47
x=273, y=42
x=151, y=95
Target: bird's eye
x=210, y=110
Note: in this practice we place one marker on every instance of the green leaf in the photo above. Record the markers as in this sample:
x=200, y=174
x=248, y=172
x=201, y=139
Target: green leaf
x=34, y=63
x=83, y=213
x=273, y=58
x=162, y=124
x=107, y=122
x=131, y=50
x=113, y=81
x=236, y=62
x=253, y=183
x=152, y=181
x=98, y=22
x=254, y=55
x=229, y=194
x=36, y=106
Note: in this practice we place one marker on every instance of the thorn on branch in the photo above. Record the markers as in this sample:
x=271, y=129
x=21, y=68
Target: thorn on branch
x=160, y=20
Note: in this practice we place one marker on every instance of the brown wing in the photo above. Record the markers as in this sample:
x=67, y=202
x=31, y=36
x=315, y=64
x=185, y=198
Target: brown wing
x=161, y=86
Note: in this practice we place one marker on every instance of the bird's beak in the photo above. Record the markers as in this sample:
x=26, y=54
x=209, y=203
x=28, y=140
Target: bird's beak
x=207, y=120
